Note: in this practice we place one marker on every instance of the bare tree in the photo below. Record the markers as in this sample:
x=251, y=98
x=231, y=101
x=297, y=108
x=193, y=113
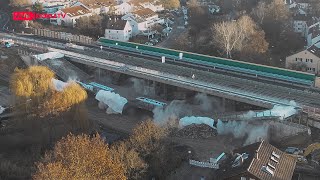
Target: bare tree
x=236, y=35
x=278, y=11
x=260, y=11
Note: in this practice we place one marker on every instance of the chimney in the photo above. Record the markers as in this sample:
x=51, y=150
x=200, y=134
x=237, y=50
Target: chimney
x=256, y=155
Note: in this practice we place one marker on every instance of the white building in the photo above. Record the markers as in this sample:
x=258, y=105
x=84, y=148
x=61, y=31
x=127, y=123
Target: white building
x=119, y=30
x=123, y=8
x=300, y=24
x=71, y=15
x=142, y=20
x=313, y=34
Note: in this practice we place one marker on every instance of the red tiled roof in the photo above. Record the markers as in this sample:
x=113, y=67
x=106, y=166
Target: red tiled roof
x=75, y=11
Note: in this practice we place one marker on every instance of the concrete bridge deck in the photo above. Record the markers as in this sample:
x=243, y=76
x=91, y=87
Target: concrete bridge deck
x=234, y=88
x=264, y=95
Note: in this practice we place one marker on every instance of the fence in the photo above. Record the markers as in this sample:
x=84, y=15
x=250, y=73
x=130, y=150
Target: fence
x=63, y=36
x=204, y=164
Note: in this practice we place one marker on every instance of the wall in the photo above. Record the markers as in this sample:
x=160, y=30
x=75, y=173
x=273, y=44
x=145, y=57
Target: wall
x=304, y=55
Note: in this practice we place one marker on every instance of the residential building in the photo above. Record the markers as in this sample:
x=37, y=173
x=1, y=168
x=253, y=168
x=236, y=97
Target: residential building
x=301, y=4
x=142, y=20
x=96, y=6
x=258, y=161
x=300, y=24
x=306, y=60
x=213, y=9
x=123, y=8
x=71, y=15
x=156, y=6
x=313, y=33
x=119, y=30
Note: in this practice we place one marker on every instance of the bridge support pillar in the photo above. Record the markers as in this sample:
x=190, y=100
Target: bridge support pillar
x=223, y=104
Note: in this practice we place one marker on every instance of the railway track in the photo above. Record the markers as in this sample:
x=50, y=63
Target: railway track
x=300, y=94
x=189, y=64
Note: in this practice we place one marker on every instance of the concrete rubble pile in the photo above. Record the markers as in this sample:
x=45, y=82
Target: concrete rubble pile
x=196, y=131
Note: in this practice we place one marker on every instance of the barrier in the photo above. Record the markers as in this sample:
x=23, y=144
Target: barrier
x=204, y=164
x=63, y=35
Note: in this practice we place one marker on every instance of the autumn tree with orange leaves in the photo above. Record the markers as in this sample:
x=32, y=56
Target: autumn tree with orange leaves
x=80, y=157
x=33, y=88
x=42, y=110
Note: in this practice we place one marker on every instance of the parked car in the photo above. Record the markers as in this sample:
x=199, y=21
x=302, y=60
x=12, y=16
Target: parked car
x=148, y=44
x=154, y=40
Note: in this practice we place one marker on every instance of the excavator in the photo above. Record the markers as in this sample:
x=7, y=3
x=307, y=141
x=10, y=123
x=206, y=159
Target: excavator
x=311, y=153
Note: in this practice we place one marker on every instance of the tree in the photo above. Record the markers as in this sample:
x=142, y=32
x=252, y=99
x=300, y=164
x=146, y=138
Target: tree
x=32, y=82
x=170, y=4
x=278, y=11
x=146, y=137
x=37, y=7
x=298, y=66
x=260, y=12
x=33, y=87
x=198, y=22
x=315, y=7
x=90, y=26
x=237, y=35
x=80, y=157
x=20, y=2
x=134, y=166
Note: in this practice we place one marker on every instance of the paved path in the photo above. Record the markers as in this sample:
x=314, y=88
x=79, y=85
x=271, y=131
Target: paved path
x=177, y=29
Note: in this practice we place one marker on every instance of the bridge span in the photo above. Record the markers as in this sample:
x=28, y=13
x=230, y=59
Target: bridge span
x=208, y=83
x=263, y=94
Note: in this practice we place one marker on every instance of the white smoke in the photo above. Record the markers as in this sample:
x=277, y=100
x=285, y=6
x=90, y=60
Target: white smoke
x=185, y=121
x=112, y=100
x=204, y=101
x=2, y=109
x=58, y=85
x=138, y=85
x=101, y=105
x=242, y=129
x=281, y=111
x=73, y=78
x=171, y=112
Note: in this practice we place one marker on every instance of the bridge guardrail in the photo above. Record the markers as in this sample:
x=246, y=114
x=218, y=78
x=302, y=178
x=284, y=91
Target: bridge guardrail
x=168, y=76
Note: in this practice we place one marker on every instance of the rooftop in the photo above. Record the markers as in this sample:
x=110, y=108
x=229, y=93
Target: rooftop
x=75, y=11
x=314, y=49
x=261, y=160
x=116, y=24
x=144, y=13
x=97, y=3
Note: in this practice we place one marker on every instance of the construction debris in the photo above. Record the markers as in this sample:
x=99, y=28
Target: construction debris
x=196, y=131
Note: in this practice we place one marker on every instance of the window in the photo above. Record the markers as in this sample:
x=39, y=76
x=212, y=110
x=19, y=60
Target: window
x=307, y=60
x=274, y=159
x=276, y=155
x=314, y=69
x=243, y=178
x=296, y=59
x=266, y=169
x=311, y=60
x=109, y=31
